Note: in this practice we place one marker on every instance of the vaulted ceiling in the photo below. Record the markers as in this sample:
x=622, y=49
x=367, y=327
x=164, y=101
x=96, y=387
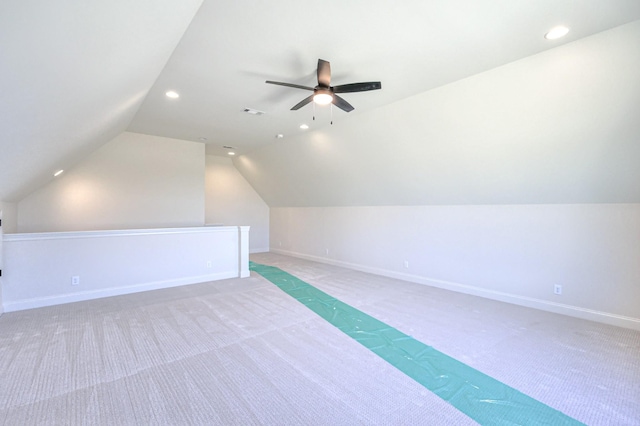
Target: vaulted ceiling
x=76, y=74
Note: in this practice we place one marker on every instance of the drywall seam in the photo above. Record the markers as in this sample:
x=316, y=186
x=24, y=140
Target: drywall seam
x=529, y=302
x=40, y=302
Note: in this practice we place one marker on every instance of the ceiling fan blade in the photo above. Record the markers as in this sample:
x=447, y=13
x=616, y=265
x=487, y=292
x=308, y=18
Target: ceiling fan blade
x=342, y=104
x=357, y=87
x=324, y=73
x=295, y=86
x=302, y=103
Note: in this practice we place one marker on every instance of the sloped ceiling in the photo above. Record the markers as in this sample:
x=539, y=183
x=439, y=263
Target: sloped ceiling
x=73, y=74
x=76, y=74
x=231, y=48
x=561, y=126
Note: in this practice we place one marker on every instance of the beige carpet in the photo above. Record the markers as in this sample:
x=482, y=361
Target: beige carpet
x=243, y=352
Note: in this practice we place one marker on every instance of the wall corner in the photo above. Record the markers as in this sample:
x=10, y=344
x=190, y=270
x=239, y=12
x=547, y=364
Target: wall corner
x=243, y=251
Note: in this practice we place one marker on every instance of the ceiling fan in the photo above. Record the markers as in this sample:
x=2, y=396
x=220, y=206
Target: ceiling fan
x=324, y=93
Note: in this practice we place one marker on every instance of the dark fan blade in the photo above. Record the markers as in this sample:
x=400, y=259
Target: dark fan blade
x=324, y=73
x=342, y=104
x=357, y=87
x=295, y=86
x=302, y=103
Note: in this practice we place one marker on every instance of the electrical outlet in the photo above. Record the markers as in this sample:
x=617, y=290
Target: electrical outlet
x=326, y=251
x=557, y=289
x=406, y=264
x=208, y=264
x=75, y=280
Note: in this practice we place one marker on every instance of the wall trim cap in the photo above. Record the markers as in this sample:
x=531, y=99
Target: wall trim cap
x=116, y=233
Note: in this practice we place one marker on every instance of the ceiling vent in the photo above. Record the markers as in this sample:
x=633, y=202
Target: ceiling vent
x=253, y=111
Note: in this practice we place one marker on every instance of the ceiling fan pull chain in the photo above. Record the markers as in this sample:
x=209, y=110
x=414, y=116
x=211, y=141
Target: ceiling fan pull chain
x=314, y=111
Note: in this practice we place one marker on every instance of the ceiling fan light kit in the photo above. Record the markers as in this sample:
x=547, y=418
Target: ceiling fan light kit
x=323, y=97
x=324, y=93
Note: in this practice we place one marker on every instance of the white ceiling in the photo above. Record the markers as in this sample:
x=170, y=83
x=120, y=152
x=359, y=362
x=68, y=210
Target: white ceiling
x=76, y=74
x=557, y=127
x=72, y=76
x=231, y=48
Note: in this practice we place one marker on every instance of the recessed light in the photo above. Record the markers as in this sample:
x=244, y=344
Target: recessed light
x=172, y=94
x=279, y=136
x=231, y=153
x=556, y=32
x=304, y=126
x=58, y=173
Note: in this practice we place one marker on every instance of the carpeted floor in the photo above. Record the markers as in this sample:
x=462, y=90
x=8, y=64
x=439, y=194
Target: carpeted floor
x=243, y=352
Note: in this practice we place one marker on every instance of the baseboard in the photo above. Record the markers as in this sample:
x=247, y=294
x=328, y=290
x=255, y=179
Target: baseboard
x=529, y=302
x=259, y=250
x=40, y=302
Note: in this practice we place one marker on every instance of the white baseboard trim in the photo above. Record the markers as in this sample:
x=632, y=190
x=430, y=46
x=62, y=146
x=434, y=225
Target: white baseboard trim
x=40, y=302
x=259, y=250
x=529, y=302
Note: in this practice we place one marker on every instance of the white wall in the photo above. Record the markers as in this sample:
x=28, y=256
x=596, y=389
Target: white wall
x=514, y=253
x=133, y=181
x=9, y=216
x=230, y=200
x=40, y=266
x=1, y=255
